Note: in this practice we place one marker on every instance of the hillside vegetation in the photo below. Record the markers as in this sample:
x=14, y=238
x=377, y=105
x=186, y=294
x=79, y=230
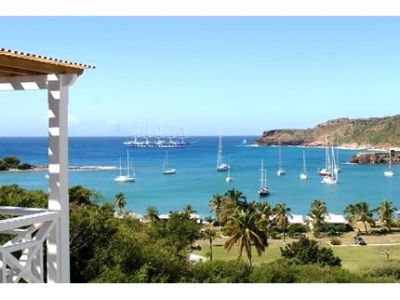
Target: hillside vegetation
x=371, y=132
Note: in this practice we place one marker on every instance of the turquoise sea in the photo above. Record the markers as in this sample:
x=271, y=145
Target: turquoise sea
x=197, y=180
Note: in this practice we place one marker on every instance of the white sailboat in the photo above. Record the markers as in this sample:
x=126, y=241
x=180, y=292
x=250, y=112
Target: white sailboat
x=334, y=177
x=389, y=172
x=263, y=191
x=326, y=171
x=229, y=178
x=337, y=168
x=167, y=170
x=281, y=171
x=221, y=166
x=304, y=175
x=128, y=177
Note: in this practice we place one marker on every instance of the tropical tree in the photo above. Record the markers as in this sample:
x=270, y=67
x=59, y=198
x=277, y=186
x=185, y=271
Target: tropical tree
x=188, y=210
x=385, y=212
x=360, y=212
x=210, y=235
x=317, y=213
x=264, y=212
x=281, y=216
x=236, y=196
x=152, y=214
x=120, y=201
x=244, y=232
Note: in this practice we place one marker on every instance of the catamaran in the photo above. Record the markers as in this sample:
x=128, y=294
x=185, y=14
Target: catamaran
x=128, y=177
x=221, y=166
x=334, y=177
x=389, y=172
x=263, y=191
x=281, y=171
x=303, y=175
x=167, y=170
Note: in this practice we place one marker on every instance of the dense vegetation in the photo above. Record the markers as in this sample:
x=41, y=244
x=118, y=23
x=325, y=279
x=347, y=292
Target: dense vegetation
x=109, y=246
x=377, y=132
x=12, y=162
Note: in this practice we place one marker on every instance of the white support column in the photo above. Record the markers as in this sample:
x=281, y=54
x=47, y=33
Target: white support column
x=58, y=264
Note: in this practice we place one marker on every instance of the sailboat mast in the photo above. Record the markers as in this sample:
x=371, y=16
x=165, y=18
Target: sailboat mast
x=280, y=156
x=219, y=157
x=334, y=169
x=120, y=166
x=127, y=162
x=304, y=163
x=262, y=174
x=390, y=159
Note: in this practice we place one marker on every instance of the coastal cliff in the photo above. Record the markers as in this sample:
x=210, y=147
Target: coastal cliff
x=375, y=158
x=354, y=133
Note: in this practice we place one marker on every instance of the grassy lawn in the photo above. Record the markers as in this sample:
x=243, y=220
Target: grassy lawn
x=354, y=258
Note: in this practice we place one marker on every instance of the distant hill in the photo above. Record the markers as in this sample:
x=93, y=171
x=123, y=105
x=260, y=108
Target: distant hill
x=371, y=132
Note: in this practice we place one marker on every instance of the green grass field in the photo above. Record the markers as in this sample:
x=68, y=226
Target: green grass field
x=354, y=258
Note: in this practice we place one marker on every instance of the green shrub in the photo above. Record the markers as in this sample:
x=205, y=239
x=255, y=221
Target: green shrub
x=294, y=230
x=10, y=162
x=335, y=241
x=25, y=166
x=306, y=251
x=284, y=271
x=392, y=270
x=218, y=271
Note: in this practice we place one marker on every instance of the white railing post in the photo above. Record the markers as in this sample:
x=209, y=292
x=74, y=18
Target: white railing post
x=58, y=264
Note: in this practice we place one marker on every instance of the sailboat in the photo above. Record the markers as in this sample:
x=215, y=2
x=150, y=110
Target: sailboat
x=128, y=177
x=221, y=166
x=326, y=171
x=334, y=177
x=263, y=191
x=281, y=171
x=229, y=178
x=389, y=172
x=303, y=175
x=166, y=169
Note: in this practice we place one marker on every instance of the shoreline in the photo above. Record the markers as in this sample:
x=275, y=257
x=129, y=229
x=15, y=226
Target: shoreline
x=70, y=168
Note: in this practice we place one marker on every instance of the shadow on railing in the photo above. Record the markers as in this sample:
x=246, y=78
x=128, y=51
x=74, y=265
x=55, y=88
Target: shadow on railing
x=21, y=256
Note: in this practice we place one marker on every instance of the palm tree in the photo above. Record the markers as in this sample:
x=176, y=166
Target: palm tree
x=210, y=235
x=120, y=201
x=318, y=212
x=243, y=231
x=282, y=213
x=188, y=210
x=264, y=212
x=215, y=204
x=235, y=195
x=152, y=214
x=360, y=212
x=385, y=213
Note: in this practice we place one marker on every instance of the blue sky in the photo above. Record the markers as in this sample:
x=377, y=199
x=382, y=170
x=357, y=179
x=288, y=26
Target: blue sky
x=229, y=75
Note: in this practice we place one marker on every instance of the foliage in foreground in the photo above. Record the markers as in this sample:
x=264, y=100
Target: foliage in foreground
x=306, y=251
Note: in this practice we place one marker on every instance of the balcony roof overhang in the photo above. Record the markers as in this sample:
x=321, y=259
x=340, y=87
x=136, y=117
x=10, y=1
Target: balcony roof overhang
x=16, y=63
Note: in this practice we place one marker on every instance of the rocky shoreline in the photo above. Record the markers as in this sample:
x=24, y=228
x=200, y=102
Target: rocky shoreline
x=375, y=158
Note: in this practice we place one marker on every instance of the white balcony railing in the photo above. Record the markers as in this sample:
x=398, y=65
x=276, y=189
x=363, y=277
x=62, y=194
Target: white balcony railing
x=21, y=257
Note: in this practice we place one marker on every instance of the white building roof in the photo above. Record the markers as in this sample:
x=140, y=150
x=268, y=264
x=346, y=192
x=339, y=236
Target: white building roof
x=296, y=219
x=335, y=219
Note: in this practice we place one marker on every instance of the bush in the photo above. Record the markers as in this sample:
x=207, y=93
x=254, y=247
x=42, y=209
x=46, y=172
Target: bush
x=10, y=162
x=333, y=229
x=306, y=251
x=284, y=271
x=218, y=271
x=392, y=270
x=25, y=166
x=335, y=241
x=294, y=230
